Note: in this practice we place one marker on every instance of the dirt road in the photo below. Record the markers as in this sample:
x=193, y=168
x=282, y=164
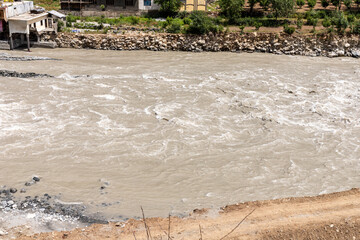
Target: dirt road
x=331, y=216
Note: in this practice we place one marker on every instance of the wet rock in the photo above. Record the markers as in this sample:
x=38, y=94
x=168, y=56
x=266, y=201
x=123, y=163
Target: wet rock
x=316, y=45
x=7, y=57
x=6, y=73
x=36, y=178
x=29, y=183
x=355, y=53
x=2, y=232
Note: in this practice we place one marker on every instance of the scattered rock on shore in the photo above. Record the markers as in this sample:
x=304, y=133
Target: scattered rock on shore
x=310, y=45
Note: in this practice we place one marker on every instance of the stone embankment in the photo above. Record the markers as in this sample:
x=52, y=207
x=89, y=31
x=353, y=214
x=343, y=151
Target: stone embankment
x=309, y=45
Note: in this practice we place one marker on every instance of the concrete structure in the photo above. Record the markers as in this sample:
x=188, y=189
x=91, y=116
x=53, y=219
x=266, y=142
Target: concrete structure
x=112, y=5
x=194, y=5
x=21, y=19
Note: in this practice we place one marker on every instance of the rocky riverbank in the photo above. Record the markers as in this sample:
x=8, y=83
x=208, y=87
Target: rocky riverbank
x=330, y=216
x=306, y=45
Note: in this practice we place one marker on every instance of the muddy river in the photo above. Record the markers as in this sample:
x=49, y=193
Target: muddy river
x=173, y=131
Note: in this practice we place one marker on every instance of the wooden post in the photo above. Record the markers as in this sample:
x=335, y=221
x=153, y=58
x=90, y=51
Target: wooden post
x=11, y=43
x=28, y=41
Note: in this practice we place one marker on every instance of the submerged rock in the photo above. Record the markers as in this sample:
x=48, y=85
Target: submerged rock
x=6, y=73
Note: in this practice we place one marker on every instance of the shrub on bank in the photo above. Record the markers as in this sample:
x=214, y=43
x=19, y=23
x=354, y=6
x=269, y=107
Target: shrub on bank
x=201, y=23
x=356, y=27
x=265, y=22
x=340, y=21
x=289, y=30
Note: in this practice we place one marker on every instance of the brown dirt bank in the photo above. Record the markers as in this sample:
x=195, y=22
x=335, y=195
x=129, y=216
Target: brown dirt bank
x=307, y=45
x=330, y=216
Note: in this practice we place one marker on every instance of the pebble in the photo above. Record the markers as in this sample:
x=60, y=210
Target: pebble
x=3, y=233
x=36, y=178
x=13, y=190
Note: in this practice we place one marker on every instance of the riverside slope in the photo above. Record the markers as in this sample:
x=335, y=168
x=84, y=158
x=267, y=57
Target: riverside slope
x=328, y=45
x=330, y=216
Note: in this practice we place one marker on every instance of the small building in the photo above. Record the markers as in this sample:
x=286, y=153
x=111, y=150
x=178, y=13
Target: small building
x=113, y=5
x=22, y=19
x=194, y=5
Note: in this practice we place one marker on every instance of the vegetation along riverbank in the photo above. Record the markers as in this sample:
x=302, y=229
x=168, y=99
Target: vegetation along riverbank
x=309, y=28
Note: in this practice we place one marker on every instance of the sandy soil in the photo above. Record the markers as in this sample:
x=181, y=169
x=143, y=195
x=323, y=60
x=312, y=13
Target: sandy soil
x=331, y=216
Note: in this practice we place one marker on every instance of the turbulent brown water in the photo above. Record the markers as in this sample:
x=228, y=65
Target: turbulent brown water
x=173, y=131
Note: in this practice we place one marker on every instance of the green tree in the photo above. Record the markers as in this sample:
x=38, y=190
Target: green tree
x=265, y=4
x=231, y=9
x=348, y=3
x=311, y=3
x=282, y=8
x=300, y=3
x=325, y=3
x=201, y=23
x=340, y=21
x=336, y=3
x=252, y=4
x=357, y=2
x=169, y=7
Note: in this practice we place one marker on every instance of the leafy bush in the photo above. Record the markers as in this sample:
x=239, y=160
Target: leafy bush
x=311, y=3
x=299, y=23
x=169, y=7
x=201, y=23
x=311, y=21
x=257, y=25
x=241, y=28
x=289, y=30
x=300, y=3
x=60, y=25
x=356, y=27
x=327, y=22
x=71, y=19
x=265, y=4
x=187, y=21
x=175, y=26
x=134, y=20
x=336, y=3
x=351, y=18
x=340, y=21
x=348, y=3
x=231, y=9
x=325, y=3
x=182, y=14
x=282, y=8
x=265, y=22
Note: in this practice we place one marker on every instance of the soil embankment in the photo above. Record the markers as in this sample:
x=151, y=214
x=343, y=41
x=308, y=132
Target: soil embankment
x=330, y=216
x=306, y=45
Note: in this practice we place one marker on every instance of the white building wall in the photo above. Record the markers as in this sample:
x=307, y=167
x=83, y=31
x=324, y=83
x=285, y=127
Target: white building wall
x=40, y=27
x=18, y=8
x=153, y=6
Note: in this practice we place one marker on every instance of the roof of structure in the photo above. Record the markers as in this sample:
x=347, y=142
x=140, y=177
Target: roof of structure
x=57, y=14
x=27, y=17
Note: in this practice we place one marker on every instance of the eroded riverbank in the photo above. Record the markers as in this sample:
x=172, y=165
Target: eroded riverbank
x=327, y=45
x=331, y=216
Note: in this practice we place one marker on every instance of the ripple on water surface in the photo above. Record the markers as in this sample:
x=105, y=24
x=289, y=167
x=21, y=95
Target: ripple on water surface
x=177, y=131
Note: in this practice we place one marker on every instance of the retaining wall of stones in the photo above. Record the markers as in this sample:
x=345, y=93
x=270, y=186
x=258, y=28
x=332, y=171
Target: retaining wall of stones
x=311, y=45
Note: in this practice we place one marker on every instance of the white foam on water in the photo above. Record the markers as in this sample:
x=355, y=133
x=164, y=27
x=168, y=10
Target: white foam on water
x=106, y=96
x=226, y=124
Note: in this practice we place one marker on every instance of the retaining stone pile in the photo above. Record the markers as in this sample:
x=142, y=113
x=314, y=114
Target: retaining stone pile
x=311, y=45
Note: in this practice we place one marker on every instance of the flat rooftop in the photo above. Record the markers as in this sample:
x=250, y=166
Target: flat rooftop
x=27, y=16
